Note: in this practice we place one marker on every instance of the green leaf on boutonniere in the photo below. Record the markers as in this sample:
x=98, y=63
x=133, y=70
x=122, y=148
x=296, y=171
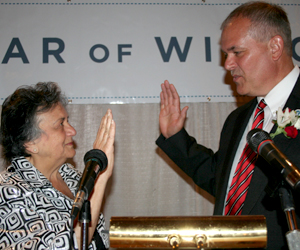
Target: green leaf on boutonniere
x=278, y=131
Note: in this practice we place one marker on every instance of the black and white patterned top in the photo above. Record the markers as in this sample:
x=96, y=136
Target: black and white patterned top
x=33, y=214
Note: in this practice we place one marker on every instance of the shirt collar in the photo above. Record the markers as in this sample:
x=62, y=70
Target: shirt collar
x=278, y=96
x=28, y=172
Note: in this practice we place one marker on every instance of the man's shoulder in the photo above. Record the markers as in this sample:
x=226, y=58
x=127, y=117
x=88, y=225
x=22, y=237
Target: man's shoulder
x=244, y=107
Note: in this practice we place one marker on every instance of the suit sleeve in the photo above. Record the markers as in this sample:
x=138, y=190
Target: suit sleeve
x=208, y=170
x=195, y=160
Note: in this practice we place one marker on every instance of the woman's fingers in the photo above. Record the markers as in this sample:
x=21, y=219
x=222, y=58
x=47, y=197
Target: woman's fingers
x=105, y=131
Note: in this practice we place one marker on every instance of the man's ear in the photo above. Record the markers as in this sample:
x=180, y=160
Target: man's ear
x=276, y=47
x=31, y=147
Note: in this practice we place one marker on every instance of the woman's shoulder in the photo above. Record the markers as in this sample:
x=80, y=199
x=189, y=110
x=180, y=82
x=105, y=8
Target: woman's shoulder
x=12, y=186
x=9, y=177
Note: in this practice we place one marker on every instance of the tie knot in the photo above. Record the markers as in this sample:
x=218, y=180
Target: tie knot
x=259, y=115
x=262, y=104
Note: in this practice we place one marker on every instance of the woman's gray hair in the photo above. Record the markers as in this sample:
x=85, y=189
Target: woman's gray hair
x=19, y=117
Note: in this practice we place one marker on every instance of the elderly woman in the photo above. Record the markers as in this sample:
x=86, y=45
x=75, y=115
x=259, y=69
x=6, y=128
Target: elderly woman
x=38, y=188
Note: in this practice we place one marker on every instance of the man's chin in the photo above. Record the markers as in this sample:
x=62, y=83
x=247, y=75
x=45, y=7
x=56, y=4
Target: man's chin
x=245, y=93
x=240, y=90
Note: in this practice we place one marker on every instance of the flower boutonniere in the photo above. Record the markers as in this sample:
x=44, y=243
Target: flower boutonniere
x=288, y=123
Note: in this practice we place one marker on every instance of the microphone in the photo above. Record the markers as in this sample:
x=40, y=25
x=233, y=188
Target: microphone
x=95, y=161
x=261, y=143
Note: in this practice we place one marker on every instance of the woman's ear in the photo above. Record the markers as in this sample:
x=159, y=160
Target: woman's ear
x=31, y=147
x=276, y=46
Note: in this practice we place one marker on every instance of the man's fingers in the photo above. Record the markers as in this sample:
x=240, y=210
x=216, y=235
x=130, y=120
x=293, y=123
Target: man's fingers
x=162, y=101
x=164, y=94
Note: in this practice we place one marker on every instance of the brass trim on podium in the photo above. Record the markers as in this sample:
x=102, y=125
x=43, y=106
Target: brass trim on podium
x=188, y=232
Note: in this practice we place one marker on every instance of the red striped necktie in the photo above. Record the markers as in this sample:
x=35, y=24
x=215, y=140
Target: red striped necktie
x=244, y=170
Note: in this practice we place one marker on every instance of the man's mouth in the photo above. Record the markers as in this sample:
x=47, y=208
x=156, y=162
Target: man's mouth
x=235, y=77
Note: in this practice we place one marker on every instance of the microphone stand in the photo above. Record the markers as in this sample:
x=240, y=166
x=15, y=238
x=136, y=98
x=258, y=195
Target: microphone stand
x=85, y=218
x=287, y=204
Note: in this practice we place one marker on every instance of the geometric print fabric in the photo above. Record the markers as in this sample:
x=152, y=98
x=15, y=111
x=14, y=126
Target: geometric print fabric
x=33, y=214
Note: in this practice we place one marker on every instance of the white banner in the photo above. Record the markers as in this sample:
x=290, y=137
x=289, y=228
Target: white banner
x=121, y=51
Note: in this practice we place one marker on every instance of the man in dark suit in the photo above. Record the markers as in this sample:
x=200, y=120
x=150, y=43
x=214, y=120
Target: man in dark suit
x=256, y=41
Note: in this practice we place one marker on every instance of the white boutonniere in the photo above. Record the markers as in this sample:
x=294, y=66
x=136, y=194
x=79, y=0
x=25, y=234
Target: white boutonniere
x=288, y=123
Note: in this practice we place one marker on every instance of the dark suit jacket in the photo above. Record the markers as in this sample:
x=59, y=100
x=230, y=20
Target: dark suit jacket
x=211, y=170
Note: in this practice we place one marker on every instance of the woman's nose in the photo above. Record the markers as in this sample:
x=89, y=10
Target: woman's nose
x=70, y=130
